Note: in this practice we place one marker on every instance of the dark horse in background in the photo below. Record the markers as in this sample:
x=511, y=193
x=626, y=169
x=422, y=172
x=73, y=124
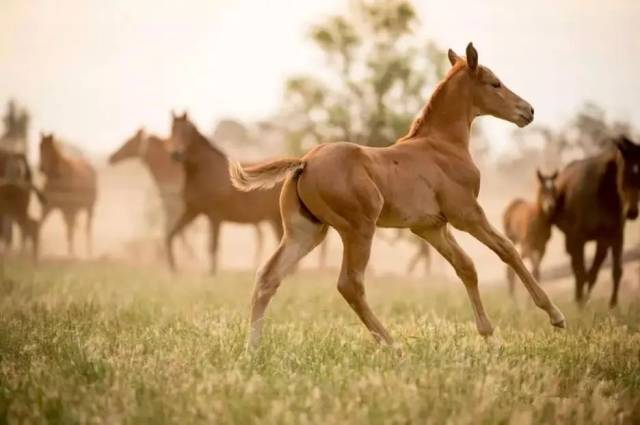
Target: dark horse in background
x=16, y=185
x=208, y=190
x=528, y=225
x=595, y=196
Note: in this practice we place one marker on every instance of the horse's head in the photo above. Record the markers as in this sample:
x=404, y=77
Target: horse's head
x=489, y=96
x=132, y=148
x=630, y=175
x=182, y=131
x=547, y=192
x=48, y=154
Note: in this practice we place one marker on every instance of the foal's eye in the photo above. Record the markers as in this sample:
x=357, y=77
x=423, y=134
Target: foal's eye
x=496, y=85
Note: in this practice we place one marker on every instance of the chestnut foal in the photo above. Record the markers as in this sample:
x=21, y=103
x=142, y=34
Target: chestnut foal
x=528, y=224
x=423, y=182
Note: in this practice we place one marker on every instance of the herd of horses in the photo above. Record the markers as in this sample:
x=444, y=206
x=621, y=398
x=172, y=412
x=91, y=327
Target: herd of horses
x=426, y=182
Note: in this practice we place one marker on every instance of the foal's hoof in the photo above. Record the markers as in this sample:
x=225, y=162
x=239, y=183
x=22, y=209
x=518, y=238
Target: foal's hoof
x=560, y=324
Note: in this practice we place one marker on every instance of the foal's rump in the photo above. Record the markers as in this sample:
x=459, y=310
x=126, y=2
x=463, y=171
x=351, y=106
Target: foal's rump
x=513, y=214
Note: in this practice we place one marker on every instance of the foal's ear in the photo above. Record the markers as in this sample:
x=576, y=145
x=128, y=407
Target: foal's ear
x=554, y=175
x=472, y=57
x=539, y=175
x=453, y=57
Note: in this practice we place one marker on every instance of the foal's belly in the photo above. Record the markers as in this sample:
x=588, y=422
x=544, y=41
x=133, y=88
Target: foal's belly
x=411, y=208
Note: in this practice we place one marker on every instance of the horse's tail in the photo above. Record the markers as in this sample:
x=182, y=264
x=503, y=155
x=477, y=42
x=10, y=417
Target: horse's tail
x=263, y=176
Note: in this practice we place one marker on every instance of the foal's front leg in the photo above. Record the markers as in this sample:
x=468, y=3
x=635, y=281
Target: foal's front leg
x=444, y=242
x=479, y=227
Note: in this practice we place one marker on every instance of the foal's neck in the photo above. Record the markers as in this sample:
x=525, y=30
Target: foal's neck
x=448, y=115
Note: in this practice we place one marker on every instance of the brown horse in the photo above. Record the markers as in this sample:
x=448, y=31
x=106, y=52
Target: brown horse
x=167, y=174
x=423, y=182
x=16, y=185
x=595, y=195
x=528, y=224
x=71, y=187
x=208, y=190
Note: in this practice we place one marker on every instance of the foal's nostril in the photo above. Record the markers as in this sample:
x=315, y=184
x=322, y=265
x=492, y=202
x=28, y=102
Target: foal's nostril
x=532, y=111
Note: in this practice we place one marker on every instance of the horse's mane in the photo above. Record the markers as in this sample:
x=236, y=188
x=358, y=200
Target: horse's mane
x=202, y=140
x=67, y=150
x=419, y=120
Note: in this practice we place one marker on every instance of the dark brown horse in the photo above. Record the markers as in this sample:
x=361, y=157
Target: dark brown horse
x=595, y=195
x=16, y=185
x=71, y=187
x=528, y=225
x=208, y=190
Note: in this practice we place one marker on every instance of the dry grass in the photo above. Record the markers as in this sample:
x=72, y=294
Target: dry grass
x=99, y=342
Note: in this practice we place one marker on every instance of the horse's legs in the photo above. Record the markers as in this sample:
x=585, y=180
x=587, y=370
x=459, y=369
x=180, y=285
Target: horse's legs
x=480, y=228
x=69, y=217
x=184, y=219
x=259, y=245
x=302, y=234
x=616, y=257
x=89, y=232
x=357, y=248
x=575, y=248
x=322, y=255
x=601, y=253
x=425, y=249
x=214, y=238
x=443, y=241
x=29, y=230
x=536, y=258
x=414, y=261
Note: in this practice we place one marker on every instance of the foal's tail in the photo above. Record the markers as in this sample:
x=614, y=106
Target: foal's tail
x=263, y=176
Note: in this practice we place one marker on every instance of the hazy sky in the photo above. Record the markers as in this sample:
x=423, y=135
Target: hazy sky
x=93, y=71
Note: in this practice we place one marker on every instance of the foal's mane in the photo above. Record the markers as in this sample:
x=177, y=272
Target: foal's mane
x=428, y=107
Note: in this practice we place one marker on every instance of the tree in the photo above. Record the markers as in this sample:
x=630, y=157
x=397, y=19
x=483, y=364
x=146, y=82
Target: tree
x=379, y=76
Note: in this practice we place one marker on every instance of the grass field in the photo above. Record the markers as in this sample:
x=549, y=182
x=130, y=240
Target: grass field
x=98, y=342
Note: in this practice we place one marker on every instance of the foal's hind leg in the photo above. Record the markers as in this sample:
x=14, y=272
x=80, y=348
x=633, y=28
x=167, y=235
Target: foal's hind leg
x=479, y=227
x=357, y=248
x=301, y=234
x=444, y=242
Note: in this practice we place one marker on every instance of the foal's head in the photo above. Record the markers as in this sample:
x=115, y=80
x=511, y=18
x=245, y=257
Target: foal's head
x=132, y=148
x=630, y=174
x=547, y=192
x=49, y=156
x=489, y=96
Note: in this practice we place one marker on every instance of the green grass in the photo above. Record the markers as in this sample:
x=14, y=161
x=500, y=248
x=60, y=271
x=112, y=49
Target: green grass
x=100, y=342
